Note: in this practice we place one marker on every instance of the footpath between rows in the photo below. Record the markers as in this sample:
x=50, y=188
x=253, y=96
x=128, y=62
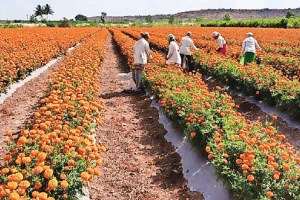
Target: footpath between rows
x=139, y=162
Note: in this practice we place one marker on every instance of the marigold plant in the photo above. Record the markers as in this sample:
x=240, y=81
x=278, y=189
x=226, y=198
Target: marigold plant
x=252, y=158
x=48, y=158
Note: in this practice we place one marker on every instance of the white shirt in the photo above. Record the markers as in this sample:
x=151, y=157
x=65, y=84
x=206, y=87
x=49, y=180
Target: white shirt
x=185, y=44
x=221, y=41
x=173, y=55
x=250, y=44
x=141, y=51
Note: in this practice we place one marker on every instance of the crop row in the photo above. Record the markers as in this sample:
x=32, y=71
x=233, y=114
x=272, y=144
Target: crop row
x=254, y=161
x=281, y=48
x=261, y=81
x=56, y=154
x=24, y=50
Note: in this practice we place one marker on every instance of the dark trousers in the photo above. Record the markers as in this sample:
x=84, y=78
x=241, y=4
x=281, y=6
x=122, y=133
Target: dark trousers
x=188, y=59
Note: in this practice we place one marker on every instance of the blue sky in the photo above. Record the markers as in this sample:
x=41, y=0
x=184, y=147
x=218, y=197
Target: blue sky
x=18, y=9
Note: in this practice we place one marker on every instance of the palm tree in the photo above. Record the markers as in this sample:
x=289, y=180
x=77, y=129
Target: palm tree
x=39, y=11
x=48, y=10
x=102, y=18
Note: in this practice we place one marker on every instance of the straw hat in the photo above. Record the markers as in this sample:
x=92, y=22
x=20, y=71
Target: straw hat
x=250, y=34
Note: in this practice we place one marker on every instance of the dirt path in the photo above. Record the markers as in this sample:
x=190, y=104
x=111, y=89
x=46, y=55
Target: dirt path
x=139, y=163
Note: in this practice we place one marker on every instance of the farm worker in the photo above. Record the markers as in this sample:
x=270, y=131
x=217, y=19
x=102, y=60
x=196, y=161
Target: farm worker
x=222, y=48
x=249, y=48
x=184, y=50
x=173, y=56
x=141, y=51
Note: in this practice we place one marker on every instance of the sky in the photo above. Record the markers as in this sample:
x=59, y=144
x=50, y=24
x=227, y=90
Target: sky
x=19, y=9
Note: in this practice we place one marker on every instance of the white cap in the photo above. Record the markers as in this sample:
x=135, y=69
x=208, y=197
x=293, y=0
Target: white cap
x=250, y=34
x=189, y=33
x=171, y=37
x=215, y=34
x=145, y=35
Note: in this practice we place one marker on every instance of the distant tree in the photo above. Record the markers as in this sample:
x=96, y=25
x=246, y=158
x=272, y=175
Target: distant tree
x=284, y=23
x=227, y=17
x=81, y=17
x=149, y=19
x=32, y=18
x=48, y=10
x=172, y=19
x=103, y=16
x=39, y=11
x=290, y=14
x=43, y=10
x=199, y=19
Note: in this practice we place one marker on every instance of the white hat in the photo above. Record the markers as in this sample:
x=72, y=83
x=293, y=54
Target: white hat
x=189, y=33
x=171, y=37
x=250, y=34
x=215, y=34
x=145, y=35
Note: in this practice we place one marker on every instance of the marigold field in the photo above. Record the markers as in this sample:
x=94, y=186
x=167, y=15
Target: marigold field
x=57, y=155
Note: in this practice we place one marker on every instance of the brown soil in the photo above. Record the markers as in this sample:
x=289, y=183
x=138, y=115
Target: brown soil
x=139, y=162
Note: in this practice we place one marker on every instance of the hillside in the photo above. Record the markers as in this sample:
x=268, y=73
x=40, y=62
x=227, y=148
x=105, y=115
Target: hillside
x=211, y=14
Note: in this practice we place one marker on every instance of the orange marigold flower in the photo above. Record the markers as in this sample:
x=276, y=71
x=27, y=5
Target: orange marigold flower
x=14, y=196
x=35, y=194
x=286, y=167
x=22, y=140
x=37, y=185
x=63, y=176
x=12, y=185
x=48, y=173
x=218, y=88
x=269, y=194
x=97, y=172
x=275, y=176
x=274, y=117
x=5, y=170
x=250, y=178
x=85, y=176
x=64, y=185
x=18, y=177
x=193, y=134
x=239, y=161
x=43, y=196
x=52, y=183
x=207, y=149
x=24, y=184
